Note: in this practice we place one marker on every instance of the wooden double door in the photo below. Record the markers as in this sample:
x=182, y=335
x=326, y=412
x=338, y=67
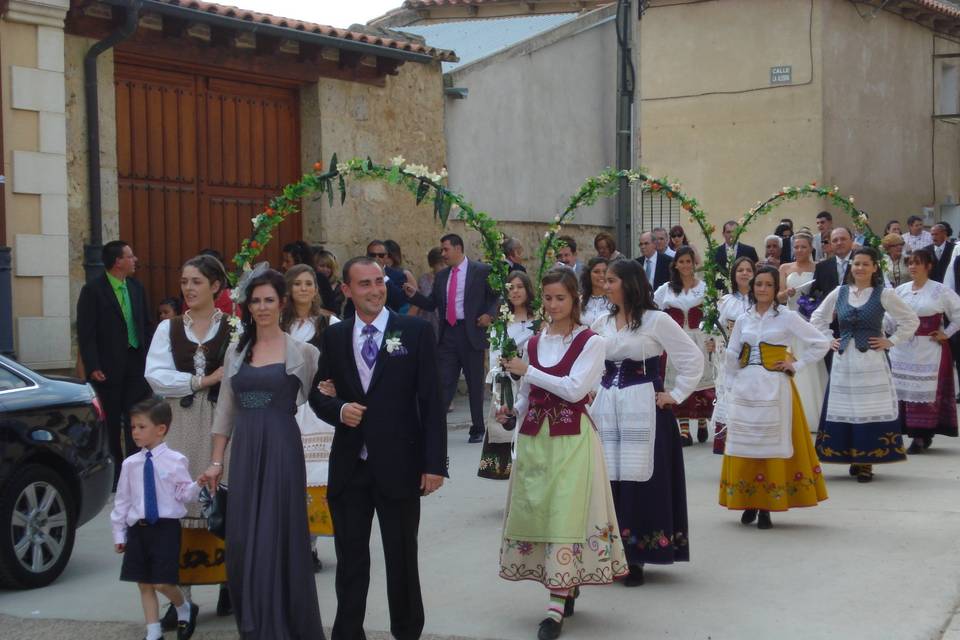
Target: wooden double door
x=198, y=157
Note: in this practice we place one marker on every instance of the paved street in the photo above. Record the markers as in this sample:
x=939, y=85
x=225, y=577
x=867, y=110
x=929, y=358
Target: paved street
x=875, y=561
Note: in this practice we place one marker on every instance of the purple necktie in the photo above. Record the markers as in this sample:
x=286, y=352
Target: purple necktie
x=369, y=349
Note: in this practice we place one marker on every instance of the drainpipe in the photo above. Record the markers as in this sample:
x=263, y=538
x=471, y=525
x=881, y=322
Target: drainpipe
x=92, y=262
x=625, y=90
x=6, y=284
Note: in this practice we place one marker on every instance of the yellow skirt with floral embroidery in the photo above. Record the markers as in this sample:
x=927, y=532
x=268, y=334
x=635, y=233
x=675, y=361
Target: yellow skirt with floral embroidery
x=776, y=484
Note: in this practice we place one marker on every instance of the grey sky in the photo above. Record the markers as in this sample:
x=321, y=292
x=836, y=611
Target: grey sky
x=338, y=13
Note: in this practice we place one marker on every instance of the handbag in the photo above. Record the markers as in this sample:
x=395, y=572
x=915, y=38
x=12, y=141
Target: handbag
x=214, y=509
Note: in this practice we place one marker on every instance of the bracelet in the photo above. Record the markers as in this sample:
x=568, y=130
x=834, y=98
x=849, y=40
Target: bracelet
x=216, y=464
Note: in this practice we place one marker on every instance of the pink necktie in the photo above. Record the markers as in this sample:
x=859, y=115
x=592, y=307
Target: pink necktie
x=452, y=297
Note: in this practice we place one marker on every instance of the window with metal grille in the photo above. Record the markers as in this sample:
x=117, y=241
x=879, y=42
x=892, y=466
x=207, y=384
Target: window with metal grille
x=655, y=210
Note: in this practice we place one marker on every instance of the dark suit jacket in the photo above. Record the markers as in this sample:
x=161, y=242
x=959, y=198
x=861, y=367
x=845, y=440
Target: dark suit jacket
x=404, y=427
x=478, y=299
x=661, y=272
x=102, y=331
x=720, y=255
x=940, y=266
x=825, y=274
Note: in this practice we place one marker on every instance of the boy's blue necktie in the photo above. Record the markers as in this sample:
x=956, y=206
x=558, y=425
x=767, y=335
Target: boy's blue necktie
x=150, y=511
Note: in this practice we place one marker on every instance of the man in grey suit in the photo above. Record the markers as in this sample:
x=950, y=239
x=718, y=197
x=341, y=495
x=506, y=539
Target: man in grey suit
x=465, y=304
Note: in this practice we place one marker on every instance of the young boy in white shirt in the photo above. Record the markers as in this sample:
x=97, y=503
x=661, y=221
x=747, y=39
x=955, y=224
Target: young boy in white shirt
x=154, y=486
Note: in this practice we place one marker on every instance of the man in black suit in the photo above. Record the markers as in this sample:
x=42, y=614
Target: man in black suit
x=513, y=251
x=655, y=263
x=389, y=447
x=114, y=332
x=728, y=252
x=942, y=250
x=832, y=272
x=463, y=324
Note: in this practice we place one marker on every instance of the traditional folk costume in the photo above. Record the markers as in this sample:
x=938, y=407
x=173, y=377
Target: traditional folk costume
x=769, y=463
x=496, y=459
x=597, y=307
x=317, y=438
x=561, y=525
x=731, y=307
x=923, y=368
x=176, y=361
x=860, y=421
x=640, y=441
x=811, y=381
x=686, y=308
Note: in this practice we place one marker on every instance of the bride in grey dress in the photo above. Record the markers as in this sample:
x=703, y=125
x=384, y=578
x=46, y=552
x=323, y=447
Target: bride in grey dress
x=266, y=377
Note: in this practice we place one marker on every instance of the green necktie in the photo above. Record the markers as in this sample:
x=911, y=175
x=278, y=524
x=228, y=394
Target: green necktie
x=132, y=339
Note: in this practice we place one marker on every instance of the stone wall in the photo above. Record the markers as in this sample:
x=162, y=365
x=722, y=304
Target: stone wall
x=403, y=118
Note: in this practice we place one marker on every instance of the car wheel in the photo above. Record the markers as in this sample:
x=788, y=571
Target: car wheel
x=37, y=528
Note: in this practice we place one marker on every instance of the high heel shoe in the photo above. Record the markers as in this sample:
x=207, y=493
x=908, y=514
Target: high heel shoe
x=748, y=516
x=763, y=520
x=570, y=602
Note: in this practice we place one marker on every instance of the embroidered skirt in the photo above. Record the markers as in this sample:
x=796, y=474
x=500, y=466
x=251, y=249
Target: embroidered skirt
x=558, y=557
x=653, y=514
x=776, y=484
x=925, y=416
x=860, y=421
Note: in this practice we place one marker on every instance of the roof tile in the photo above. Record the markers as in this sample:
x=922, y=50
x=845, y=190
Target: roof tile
x=392, y=41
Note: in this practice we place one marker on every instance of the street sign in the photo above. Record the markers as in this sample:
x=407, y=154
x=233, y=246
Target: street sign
x=781, y=75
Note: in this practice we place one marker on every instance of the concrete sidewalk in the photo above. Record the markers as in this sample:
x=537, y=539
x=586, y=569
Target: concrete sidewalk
x=875, y=561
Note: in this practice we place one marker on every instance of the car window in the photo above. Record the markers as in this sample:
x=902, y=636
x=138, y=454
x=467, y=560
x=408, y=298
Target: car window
x=9, y=380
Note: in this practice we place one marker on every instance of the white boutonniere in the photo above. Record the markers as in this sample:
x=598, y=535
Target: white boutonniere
x=394, y=345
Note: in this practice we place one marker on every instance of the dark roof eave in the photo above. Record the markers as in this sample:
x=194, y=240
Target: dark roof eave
x=239, y=24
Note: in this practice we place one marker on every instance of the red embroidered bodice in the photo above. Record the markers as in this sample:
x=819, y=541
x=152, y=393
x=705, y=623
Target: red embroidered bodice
x=562, y=416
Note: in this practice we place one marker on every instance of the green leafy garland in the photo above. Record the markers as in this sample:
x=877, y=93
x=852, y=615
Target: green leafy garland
x=606, y=185
x=847, y=203
x=424, y=184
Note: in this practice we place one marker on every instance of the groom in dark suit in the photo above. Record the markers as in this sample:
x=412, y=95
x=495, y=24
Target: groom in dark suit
x=463, y=324
x=389, y=447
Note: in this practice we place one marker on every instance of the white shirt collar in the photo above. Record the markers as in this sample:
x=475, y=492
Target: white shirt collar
x=380, y=322
x=156, y=451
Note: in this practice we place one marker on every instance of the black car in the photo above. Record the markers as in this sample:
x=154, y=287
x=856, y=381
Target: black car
x=56, y=472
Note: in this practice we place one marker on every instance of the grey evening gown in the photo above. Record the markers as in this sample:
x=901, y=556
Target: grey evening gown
x=269, y=564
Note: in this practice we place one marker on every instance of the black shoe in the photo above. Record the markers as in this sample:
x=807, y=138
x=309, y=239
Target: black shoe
x=169, y=620
x=685, y=440
x=549, y=629
x=317, y=564
x=915, y=447
x=186, y=628
x=865, y=473
x=568, y=605
x=635, y=577
x=474, y=439
x=748, y=516
x=927, y=441
x=854, y=470
x=763, y=520
x=224, y=608
x=702, y=434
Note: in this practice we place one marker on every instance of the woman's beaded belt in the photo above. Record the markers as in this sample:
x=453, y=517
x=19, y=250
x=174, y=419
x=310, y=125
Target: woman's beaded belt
x=628, y=373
